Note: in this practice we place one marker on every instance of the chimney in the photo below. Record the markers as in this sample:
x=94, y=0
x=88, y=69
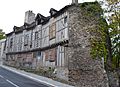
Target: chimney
x=74, y=1
x=29, y=17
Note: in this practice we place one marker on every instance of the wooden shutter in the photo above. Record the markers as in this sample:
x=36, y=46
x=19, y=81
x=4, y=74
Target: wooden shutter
x=46, y=55
x=52, y=31
x=52, y=55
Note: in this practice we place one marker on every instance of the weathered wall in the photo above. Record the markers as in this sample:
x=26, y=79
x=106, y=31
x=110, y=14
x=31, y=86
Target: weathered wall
x=2, y=53
x=83, y=69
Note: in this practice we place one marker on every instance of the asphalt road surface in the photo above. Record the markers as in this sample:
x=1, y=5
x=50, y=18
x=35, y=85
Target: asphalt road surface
x=10, y=79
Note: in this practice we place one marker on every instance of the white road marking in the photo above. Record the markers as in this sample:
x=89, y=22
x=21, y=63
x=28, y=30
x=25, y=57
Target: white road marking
x=12, y=83
x=1, y=76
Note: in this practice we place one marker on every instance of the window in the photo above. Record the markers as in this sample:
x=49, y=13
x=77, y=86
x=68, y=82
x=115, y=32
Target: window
x=62, y=34
x=11, y=42
x=39, y=55
x=26, y=40
x=65, y=19
x=52, y=31
x=31, y=40
x=36, y=36
x=61, y=60
x=20, y=44
x=36, y=22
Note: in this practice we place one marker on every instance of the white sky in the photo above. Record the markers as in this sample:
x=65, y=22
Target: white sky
x=12, y=12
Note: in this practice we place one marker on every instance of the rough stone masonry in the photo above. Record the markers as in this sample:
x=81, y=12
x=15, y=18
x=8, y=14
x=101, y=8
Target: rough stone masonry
x=84, y=71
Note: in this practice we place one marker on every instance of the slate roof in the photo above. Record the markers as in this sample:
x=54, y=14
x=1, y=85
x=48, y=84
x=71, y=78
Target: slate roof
x=41, y=20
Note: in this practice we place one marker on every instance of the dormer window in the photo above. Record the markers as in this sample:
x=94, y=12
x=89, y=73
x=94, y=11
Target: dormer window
x=65, y=19
x=40, y=19
x=36, y=22
x=52, y=12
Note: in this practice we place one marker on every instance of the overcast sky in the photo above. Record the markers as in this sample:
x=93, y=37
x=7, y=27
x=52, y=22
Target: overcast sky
x=12, y=12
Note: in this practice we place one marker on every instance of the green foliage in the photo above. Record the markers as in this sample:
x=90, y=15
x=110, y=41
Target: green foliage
x=2, y=34
x=98, y=39
x=91, y=8
x=112, y=1
x=98, y=43
x=114, y=28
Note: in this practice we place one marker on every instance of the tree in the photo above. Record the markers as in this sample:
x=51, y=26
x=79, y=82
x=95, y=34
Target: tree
x=113, y=36
x=114, y=19
x=2, y=34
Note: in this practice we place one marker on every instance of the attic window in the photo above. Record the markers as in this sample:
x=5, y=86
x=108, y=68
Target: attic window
x=52, y=11
x=42, y=21
x=65, y=19
x=37, y=22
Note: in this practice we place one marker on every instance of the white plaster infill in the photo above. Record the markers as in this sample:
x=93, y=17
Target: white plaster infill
x=41, y=79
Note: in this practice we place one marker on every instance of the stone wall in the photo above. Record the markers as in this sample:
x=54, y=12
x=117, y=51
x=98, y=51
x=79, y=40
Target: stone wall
x=84, y=71
x=62, y=73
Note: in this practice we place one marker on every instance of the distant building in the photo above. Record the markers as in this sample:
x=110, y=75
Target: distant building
x=2, y=50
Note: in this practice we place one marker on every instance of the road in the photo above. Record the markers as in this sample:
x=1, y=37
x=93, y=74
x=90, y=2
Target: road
x=10, y=79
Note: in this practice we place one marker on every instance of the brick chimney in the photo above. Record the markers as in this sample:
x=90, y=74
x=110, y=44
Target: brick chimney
x=74, y=1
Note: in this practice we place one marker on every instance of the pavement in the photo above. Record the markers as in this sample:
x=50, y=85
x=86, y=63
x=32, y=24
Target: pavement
x=45, y=82
x=11, y=79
